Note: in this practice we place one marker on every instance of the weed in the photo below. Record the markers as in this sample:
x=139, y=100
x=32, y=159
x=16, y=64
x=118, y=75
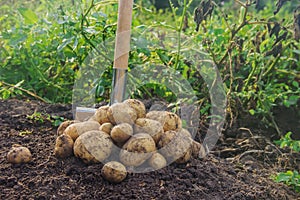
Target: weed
x=24, y=133
x=287, y=141
x=291, y=178
x=57, y=120
x=37, y=117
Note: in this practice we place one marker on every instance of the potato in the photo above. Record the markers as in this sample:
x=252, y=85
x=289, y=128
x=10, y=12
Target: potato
x=150, y=126
x=106, y=127
x=100, y=115
x=63, y=146
x=157, y=161
x=173, y=146
x=159, y=116
x=77, y=129
x=114, y=172
x=93, y=146
x=173, y=122
x=121, y=132
x=198, y=150
x=121, y=113
x=186, y=157
x=137, y=149
x=185, y=132
x=169, y=120
x=62, y=127
x=19, y=154
x=138, y=106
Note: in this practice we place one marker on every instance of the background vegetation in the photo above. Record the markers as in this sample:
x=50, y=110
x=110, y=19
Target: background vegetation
x=254, y=44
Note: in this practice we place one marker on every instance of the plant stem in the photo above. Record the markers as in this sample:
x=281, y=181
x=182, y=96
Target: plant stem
x=251, y=74
x=179, y=33
x=230, y=90
x=234, y=32
x=271, y=66
x=26, y=91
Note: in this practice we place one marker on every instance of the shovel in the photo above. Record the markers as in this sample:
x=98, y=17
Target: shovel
x=121, y=54
x=122, y=48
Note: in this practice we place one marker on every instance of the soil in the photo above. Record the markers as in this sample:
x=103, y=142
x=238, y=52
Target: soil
x=239, y=167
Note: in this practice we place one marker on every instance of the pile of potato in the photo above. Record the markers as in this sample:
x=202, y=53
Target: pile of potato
x=123, y=136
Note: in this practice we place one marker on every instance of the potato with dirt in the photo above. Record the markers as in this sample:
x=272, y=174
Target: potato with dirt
x=121, y=113
x=63, y=146
x=93, y=146
x=106, y=127
x=137, y=149
x=138, y=106
x=19, y=154
x=100, y=115
x=169, y=120
x=62, y=127
x=185, y=132
x=121, y=132
x=152, y=127
x=198, y=150
x=175, y=146
x=114, y=172
x=77, y=129
x=157, y=161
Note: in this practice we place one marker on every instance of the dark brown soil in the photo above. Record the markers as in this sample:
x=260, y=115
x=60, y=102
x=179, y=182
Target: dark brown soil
x=239, y=168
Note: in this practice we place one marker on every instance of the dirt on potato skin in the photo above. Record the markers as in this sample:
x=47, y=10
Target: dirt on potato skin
x=47, y=177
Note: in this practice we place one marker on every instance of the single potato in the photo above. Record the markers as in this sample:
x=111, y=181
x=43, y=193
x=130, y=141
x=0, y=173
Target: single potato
x=173, y=122
x=100, y=115
x=157, y=161
x=121, y=132
x=159, y=116
x=19, y=154
x=174, y=146
x=106, y=127
x=185, y=132
x=93, y=146
x=137, y=150
x=121, y=113
x=186, y=157
x=198, y=150
x=77, y=129
x=63, y=146
x=114, y=172
x=150, y=126
x=169, y=120
x=62, y=127
x=138, y=106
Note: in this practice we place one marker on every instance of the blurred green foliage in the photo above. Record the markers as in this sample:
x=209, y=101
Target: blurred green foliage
x=46, y=45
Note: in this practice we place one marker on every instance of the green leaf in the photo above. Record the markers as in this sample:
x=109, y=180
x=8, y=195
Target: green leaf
x=296, y=84
x=6, y=94
x=252, y=112
x=284, y=177
x=29, y=16
x=64, y=43
x=296, y=51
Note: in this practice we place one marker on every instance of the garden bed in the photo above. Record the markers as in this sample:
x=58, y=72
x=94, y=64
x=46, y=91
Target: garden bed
x=223, y=174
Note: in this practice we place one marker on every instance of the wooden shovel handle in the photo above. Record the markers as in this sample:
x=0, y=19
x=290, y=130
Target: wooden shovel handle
x=122, y=45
